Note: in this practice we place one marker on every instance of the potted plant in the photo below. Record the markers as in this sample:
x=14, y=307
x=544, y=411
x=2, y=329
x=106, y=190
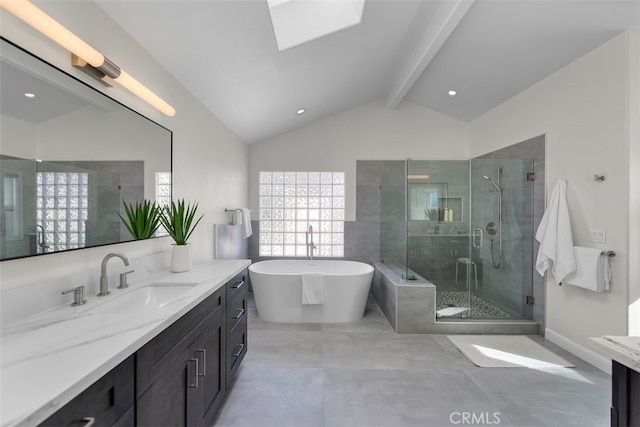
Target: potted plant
x=179, y=221
x=142, y=218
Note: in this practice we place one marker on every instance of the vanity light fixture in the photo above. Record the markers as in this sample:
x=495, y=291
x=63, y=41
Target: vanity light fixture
x=84, y=56
x=452, y=93
x=301, y=111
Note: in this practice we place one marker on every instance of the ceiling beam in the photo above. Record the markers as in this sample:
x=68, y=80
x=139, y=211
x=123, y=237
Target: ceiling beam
x=445, y=20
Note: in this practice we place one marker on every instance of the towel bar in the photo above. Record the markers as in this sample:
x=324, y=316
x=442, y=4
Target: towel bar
x=609, y=253
x=234, y=210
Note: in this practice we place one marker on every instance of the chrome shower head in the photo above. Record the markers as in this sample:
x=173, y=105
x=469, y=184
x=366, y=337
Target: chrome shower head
x=493, y=182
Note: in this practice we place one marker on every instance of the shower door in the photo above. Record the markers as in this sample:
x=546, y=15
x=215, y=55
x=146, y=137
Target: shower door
x=499, y=273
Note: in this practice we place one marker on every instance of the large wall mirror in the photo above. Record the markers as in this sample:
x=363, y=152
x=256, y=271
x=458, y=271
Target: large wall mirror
x=69, y=156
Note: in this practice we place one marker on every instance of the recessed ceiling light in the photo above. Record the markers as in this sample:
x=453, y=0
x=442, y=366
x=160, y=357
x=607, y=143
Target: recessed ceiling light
x=30, y=95
x=301, y=111
x=452, y=93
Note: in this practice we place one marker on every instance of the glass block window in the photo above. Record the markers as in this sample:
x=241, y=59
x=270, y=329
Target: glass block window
x=163, y=188
x=290, y=202
x=62, y=207
x=163, y=195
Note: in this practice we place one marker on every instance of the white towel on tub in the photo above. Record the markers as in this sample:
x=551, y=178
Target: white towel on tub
x=593, y=270
x=312, y=288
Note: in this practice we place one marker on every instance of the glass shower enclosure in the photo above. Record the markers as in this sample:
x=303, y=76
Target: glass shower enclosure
x=466, y=227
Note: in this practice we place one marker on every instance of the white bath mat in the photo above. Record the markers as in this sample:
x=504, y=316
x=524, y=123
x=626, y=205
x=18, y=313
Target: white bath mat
x=507, y=351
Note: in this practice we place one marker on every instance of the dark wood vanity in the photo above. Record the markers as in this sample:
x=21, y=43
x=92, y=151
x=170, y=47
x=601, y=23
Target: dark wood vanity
x=179, y=378
x=625, y=396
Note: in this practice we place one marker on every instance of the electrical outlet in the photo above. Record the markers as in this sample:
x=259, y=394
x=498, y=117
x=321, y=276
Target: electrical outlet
x=598, y=236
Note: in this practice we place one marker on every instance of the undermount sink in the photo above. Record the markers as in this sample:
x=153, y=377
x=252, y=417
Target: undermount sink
x=151, y=296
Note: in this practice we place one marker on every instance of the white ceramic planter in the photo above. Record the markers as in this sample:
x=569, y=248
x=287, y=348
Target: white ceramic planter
x=181, y=258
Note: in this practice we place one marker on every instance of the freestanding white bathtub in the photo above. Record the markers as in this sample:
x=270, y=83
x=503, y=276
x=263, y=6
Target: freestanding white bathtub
x=277, y=288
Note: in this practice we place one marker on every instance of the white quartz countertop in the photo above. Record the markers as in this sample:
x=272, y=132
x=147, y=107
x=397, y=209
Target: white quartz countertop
x=49, y=358
x=624, y=350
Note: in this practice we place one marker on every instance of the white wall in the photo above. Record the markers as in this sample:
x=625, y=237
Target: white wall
x=634, y=181
x=209, y=162
x=582, y=109
x=17, y=138
x=368, y=132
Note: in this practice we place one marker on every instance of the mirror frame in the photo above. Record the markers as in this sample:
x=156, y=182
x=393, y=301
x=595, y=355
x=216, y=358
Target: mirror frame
x=74, y=78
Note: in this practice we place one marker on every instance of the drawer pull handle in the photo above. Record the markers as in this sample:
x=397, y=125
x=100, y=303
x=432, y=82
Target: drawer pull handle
x=239, y=352
x=239, y=314
x=237, y=285
x=89, y=421
x=204, y=362
x=194, y=384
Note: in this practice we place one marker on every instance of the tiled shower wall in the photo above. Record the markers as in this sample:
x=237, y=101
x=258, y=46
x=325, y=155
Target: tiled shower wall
x=534, y=149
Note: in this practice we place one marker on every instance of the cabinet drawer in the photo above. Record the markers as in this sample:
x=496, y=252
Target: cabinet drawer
x=159, y=353
x=106, y=401
x=237, y=286
x=236, y=312
x=236, y=348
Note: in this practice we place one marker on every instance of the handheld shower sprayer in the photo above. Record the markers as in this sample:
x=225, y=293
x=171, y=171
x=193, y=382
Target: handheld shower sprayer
x=491, y=229
x=493, y=182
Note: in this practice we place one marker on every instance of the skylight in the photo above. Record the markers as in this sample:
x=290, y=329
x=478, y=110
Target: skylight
x=298, y=21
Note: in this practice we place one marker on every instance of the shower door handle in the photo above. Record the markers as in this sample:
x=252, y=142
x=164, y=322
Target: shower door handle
x=477, y=232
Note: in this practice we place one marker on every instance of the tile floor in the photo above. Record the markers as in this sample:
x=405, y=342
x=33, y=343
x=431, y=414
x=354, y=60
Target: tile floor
x=363, y=374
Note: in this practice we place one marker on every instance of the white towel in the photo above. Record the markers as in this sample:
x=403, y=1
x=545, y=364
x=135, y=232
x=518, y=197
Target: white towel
x=246, y=223
x=312, y=288
x=554, y=235
x=593, y=270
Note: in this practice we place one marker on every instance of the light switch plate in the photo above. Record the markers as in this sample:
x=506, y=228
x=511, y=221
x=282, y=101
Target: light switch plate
x=598, y=236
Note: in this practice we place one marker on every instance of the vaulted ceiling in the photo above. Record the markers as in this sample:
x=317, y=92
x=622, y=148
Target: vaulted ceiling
x=488, y=51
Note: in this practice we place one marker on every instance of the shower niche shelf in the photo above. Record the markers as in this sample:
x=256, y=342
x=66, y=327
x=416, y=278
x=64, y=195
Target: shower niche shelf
x=428, y=202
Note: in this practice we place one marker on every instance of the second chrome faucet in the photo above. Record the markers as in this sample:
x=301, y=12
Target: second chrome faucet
x=104, y=279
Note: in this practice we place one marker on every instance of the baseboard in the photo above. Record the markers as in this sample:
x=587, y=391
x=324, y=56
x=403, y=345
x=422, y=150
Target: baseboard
x=601, y=362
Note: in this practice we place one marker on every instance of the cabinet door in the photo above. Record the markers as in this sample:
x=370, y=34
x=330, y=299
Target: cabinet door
x=209, y=348
x=154, y=358
x=171, y=399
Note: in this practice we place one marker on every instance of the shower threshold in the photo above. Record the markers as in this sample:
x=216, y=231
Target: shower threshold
x=455, y=305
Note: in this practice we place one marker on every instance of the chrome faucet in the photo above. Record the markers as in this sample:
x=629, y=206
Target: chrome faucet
x=310, y=245
x=104, y=279
x=41, y=238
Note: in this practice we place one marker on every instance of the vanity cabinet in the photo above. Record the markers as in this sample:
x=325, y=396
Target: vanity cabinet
x=181, y=373
x=179, y=378
x=625, y=396
x=236, y=330
x=108, y=402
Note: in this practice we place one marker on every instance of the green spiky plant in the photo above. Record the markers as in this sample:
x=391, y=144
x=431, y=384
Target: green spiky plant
x=178, y=220
x=142, y=218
